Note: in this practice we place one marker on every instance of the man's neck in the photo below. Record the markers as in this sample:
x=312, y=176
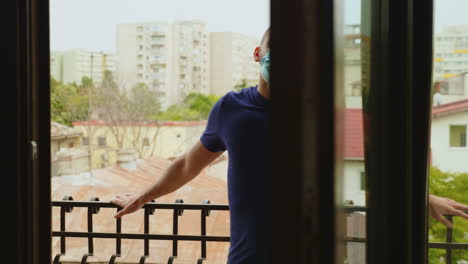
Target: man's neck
x=264, y=89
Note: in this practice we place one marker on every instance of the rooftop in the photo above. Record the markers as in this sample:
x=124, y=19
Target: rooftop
x=148, y=124
x=105, y=183
x=58, y=131
x=450, y=108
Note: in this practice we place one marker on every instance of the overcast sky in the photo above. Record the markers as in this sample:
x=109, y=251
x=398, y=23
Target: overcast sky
x=91, y=24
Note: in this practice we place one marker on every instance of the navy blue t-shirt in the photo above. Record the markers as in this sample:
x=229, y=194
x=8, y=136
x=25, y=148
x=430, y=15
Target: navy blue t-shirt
x=238, y=123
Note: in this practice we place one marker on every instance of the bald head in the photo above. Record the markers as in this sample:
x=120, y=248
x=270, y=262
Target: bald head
x=266, y=39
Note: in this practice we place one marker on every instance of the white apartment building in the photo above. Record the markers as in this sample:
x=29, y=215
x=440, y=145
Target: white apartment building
x=450, y=52
x=231, y=61
x=56, y=65
x=78, y=63
x=352, y=66
x=449, y=149
x=170, y=58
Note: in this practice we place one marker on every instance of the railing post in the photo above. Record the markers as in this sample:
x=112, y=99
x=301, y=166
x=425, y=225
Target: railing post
x=448, y=254
x=91, y=211
x=63, y=211
x=175, y=230
x=118, y=230
x=204, y=214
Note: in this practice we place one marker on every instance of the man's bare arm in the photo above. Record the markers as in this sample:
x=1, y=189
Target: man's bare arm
x=181, y=171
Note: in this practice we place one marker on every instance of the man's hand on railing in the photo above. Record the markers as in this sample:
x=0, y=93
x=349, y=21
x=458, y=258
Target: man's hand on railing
x=129, y=202
x=440, y=206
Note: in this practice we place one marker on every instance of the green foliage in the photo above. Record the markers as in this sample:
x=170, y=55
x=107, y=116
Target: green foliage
x=69, y=103
x=195, y=106
x=453, y=186
x=143, y=103
x=243, y=84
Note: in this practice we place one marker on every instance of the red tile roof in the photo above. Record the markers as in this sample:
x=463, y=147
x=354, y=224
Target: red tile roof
x=105, y=183
x=449, y=108
x=353, y=135
x=58, y=130
x=162, y=123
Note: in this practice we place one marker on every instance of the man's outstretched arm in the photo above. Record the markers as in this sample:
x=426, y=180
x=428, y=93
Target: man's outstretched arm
x=182, y=170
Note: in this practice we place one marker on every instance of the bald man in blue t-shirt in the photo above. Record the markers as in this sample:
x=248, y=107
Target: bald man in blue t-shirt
x=239, y=124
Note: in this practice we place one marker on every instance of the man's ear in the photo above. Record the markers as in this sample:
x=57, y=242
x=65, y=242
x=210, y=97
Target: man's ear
x=256, y=54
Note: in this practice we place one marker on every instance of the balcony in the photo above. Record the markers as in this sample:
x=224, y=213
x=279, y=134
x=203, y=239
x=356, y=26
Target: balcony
x=204, y=209
x=93, y=207
x=157, y=59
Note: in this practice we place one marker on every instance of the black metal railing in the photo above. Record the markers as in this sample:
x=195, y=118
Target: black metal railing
x=449, y=245
x=94, y=206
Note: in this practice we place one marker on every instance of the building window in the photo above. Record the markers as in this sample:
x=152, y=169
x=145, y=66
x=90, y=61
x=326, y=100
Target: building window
x=85, y=141
x=454, y=85
x=458, y=136
x=363, y=181
x=102, y=142
x=146, y=142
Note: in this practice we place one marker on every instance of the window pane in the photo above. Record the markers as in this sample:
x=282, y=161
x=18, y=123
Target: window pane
x=458, y=136
x=353, y=72
x=133, y=83
x=449, y=152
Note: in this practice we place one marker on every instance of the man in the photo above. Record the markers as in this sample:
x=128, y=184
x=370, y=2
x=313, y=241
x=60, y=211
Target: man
x=238, y=123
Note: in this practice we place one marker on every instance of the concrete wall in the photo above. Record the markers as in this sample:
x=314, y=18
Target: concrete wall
x=164, y=141
x=446, y=158
x=352, y=181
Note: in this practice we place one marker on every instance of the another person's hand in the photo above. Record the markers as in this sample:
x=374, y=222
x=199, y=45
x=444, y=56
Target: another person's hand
x=440, y=206
x=129, y=202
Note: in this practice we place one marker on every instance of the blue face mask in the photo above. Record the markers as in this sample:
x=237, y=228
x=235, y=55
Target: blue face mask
x=265, y=67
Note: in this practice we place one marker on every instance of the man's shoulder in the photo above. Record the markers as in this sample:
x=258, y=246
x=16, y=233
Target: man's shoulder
x=239, y=96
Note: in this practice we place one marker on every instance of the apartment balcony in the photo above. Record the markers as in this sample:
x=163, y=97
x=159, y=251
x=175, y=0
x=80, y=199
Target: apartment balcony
x=158, y=76
x=158, y=42
x=157, y=59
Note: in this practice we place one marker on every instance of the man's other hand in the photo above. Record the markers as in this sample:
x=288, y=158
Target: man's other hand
x=129, y=202
x=440, y=206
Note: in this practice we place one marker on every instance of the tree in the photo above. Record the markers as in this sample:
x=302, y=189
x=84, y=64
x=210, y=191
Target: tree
x=453, y=186
x=68, y=103
x=126, y=113
x=243, y=84
x=195, y=106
